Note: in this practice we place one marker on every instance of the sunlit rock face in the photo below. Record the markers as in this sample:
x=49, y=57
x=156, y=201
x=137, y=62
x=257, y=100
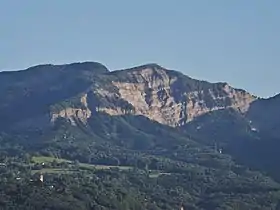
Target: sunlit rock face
x=165, y=96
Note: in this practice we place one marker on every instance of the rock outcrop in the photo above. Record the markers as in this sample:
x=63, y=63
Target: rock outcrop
x=72, y=114
x=167, y=97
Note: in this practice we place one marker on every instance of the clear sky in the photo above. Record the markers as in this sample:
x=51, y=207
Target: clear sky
x=237, y=41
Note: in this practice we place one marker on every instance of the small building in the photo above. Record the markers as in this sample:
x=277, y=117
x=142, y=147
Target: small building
x=41, y=178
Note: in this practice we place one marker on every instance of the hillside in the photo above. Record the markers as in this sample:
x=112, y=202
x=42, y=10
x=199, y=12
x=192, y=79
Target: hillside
x=150, y=119
x=165, y=96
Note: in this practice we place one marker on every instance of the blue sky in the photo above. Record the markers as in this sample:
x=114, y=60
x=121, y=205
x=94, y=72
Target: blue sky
x=216, y=40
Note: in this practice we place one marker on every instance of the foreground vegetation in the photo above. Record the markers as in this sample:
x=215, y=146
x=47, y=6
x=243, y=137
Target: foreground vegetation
x=132, y=190
x=48, y=162
x=125, y=163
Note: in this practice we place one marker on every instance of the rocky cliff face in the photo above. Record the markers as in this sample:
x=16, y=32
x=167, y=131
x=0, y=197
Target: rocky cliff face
x=74, y=113
x=167, y=97
x=162, y=95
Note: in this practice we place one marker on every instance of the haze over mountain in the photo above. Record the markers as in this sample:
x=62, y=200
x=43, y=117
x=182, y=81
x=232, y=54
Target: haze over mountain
x=148, y=115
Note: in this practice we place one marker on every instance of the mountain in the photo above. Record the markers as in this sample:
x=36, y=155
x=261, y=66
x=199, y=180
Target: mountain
x=165, y=96
x=37, y=88
x=252, y=138
x=210, y=136
x=265, y=113
x=168, y=97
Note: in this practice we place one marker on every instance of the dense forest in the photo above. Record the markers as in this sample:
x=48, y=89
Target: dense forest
x=78, y=186
x=147, y=167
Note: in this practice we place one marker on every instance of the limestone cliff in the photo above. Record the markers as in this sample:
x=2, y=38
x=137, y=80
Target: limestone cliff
x=76, y=91
x=72, y=114
x=165, y=96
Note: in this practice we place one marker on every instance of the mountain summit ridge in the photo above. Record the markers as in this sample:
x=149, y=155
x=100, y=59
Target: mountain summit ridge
x=166, y=96
x=152, y=91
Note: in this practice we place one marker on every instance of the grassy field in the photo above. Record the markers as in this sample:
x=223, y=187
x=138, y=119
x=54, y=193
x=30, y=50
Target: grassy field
x=44, y=159
x=100, y=167
x=82, y=166
x=52, y=171
x=157, y=174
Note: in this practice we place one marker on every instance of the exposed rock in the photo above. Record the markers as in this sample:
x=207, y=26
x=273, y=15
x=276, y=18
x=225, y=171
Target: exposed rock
x=163, y=95
x=73, y=114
